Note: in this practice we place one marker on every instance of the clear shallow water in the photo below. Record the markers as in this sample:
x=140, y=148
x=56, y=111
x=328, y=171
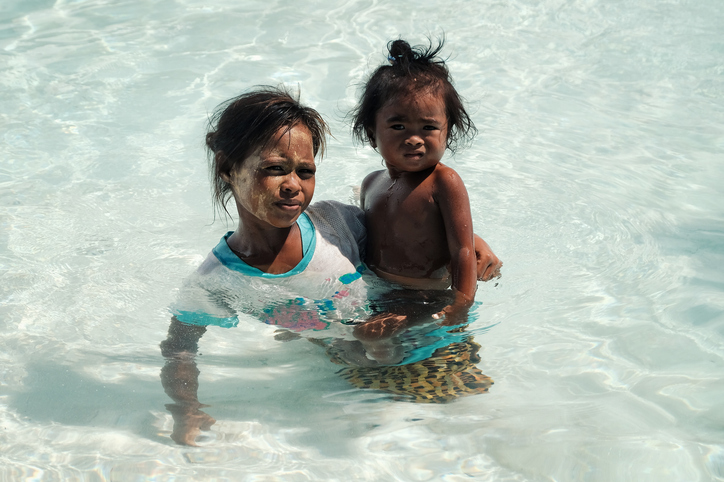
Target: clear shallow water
x=596, y=177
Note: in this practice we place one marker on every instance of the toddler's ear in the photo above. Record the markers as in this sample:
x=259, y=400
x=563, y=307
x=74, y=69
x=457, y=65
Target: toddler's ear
x=371, y=137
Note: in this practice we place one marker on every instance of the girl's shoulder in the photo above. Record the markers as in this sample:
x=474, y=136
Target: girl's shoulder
x=210, y=264
x=345, y=221
x=330, y=210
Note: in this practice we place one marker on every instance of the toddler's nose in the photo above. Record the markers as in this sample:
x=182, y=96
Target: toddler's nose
x=413, y=141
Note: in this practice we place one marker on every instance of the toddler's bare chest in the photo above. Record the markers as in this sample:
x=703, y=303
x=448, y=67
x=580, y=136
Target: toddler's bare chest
x=405, y=209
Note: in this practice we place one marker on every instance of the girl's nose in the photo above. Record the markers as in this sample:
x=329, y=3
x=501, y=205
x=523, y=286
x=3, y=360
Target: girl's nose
x=291, y=184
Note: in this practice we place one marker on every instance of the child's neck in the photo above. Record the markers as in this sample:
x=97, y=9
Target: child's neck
x=272, y=250
x=396, y=174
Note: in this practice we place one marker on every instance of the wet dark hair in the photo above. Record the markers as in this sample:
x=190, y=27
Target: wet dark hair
x=248, y=123
x=411, y=70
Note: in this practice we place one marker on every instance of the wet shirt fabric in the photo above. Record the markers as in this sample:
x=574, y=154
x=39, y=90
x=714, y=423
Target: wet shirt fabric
x=326, y=286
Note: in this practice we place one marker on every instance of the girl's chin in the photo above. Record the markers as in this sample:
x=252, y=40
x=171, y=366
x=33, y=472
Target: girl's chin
x=283, y=222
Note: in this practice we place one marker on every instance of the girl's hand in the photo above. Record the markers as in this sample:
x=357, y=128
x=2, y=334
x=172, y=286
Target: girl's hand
x=380, y=326
x=376, y=336
x=188, y=423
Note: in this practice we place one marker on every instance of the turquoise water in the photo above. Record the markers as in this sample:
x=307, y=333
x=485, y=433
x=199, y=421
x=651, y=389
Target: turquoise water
x=597, y=177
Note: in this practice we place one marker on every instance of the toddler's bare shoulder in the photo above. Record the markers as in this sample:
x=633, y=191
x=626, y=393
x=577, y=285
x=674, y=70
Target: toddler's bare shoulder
x=447, y=176
x=370, y=178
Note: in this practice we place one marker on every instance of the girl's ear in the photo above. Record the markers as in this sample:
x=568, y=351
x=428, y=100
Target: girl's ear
x=371, y=137
x=223, y=170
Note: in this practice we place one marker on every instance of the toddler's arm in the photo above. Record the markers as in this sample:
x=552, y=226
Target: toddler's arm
x=452, y=198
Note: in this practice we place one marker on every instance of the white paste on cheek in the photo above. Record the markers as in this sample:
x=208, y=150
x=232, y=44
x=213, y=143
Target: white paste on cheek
x=246, y=193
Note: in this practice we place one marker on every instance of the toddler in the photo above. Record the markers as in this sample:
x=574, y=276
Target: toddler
x=419, y=226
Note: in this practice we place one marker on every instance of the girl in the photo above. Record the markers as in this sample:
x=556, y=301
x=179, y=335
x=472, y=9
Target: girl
x=419, y=226
x=288, y=263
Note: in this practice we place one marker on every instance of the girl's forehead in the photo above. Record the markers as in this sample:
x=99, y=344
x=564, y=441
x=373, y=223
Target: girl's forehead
x=297, y=137
x=285, y=134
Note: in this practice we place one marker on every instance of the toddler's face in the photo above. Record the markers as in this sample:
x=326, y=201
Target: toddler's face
x=411, y=132
x=274, y=186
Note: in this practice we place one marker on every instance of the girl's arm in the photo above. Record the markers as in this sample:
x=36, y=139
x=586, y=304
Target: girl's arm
x=180, y=380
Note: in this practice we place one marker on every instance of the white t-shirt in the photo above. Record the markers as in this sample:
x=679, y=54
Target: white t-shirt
x=326, y=286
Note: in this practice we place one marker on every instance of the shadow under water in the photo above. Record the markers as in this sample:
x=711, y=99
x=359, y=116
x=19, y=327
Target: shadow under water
x=448, y=374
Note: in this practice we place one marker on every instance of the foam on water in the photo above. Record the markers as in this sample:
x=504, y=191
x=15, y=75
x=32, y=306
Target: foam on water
x=597, y=177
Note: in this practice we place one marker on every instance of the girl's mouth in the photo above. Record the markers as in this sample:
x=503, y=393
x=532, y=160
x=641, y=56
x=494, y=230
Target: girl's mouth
x=289, y=205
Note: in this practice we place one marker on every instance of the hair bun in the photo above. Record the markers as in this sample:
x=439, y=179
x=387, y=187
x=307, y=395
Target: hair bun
x=402, y=55
x=400, y=51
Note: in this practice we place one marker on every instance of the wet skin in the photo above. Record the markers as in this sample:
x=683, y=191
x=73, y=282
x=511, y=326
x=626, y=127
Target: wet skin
x=417, y=210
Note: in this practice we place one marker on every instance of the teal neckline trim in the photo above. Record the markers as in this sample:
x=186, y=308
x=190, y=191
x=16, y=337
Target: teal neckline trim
x=309, y=241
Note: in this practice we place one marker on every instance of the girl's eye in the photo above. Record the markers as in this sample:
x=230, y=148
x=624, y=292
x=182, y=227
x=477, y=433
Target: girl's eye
x=430, y=128
x=397, y=127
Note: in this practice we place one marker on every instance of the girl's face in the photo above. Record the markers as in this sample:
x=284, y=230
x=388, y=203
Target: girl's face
x=272, y=187
x=411, y=132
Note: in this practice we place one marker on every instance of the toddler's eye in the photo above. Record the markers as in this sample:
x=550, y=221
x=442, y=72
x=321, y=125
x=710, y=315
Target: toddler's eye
x=397, y=127
x=430, y=128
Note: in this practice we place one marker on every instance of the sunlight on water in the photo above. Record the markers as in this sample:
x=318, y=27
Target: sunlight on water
x=596, y=176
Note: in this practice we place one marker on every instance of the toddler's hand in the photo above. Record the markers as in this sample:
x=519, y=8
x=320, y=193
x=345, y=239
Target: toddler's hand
x=488, y=265
x=453, y=315
x=457, y=312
